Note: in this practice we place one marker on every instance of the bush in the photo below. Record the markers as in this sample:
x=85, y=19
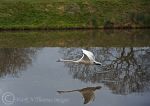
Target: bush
x=108, y=24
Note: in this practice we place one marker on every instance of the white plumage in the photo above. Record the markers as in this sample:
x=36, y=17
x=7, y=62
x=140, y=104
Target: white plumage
x=87, y=58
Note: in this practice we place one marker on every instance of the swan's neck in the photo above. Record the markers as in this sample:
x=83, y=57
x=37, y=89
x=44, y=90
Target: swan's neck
x=67, y=91
x=62, y=60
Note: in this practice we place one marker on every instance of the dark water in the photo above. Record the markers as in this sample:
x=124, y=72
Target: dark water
x=31, y=76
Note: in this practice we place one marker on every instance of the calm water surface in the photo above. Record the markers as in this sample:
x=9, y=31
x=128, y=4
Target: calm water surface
x=31, y=75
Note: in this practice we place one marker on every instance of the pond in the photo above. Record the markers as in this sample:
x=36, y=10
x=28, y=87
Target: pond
x=30, y=73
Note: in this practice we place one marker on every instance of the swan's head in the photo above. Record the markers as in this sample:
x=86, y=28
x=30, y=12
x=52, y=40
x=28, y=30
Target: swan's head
x=60, y=60
x=98, y=87
x=97, y=63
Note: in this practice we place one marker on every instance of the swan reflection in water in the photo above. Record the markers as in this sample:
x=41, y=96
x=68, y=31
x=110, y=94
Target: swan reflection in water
x=87, y=93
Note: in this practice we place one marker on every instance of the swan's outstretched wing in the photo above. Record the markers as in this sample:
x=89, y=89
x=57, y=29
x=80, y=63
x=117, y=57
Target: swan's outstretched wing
x=88, y=95
x=89, y=54
x=84, y=58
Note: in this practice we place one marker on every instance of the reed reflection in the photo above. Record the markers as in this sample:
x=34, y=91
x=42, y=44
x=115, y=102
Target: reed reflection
x=14, y=60
x=125, y=70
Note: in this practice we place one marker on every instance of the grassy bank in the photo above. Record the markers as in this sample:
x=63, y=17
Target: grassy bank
x=53, y=14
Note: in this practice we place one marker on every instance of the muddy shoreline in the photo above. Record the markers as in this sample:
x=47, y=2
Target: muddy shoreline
x=73, y=28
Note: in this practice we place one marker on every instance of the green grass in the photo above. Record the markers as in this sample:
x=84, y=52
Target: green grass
x=43, y=14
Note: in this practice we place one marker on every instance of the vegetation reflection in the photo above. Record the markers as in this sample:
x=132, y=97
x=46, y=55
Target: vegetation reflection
x=125, y=70
x=76, y=38
x=14, y=60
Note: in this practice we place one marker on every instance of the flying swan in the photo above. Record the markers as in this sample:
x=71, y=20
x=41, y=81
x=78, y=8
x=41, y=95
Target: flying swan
x=87, y=58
